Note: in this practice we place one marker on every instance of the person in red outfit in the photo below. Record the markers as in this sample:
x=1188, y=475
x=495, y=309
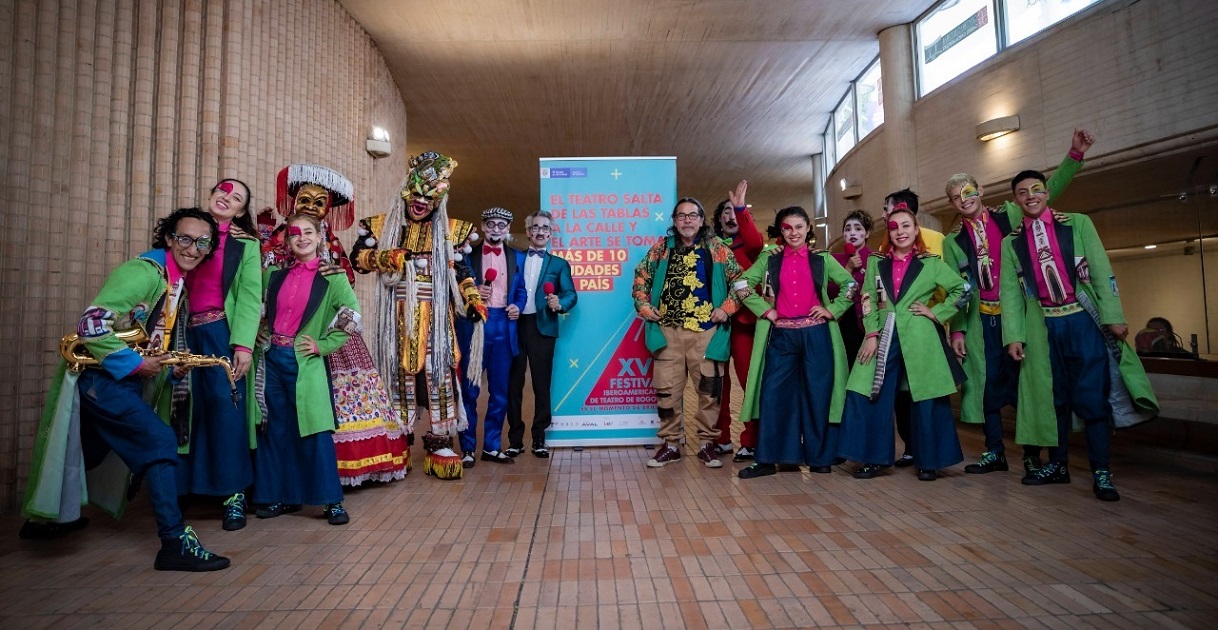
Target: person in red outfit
x=734, y=224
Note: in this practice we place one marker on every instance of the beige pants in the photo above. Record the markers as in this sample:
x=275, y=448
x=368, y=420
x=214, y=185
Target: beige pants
x=685, y=356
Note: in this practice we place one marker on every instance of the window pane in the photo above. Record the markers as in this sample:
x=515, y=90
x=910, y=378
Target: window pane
x=953, y=38
x=871, y=100
x=843, y=125
x=830, y=155
x=1025, y=19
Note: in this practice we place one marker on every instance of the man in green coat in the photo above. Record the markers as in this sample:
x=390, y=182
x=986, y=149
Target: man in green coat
x=1062, y=320
x=974, y=248
x=101, y=422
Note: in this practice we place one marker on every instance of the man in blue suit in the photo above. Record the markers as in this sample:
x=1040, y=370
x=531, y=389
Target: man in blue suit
x=551, y=292
x=496, y=270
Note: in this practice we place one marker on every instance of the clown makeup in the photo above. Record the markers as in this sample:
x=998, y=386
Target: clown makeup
x=312, y=200
x=496, y=230
x=420, y=208
x=902, y=232
x=1032, y=196
x=727, y=220
x=966, y=199
x=227, y=200
x=854, y=233
x=794, y=231
x=303, y=239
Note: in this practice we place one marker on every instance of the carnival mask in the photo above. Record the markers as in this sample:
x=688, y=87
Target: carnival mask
x=428, y=177
x=313, y=200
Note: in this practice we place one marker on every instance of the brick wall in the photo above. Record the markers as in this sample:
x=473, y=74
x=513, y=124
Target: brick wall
x=113, y=113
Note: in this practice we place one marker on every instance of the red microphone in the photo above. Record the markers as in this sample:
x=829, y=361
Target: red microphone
x=491, y=274
x=548, y=288
x=850, y=248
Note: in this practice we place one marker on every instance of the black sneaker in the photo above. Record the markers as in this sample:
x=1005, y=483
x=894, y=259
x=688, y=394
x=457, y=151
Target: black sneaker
x=1053, y=472
x=497, y=457
x=541, y=450
x=234, y=512
x=745, y=454
x=186, y=553
x=904, y=461
x=276, y=509
x=467, y=461
x=755, y=470
x=513, y=451
x=989, y=462
x=928, y=474
x=1102, y=486
x=45, y=530
x=1030, y=466
x=336, y=515
x=867, y=471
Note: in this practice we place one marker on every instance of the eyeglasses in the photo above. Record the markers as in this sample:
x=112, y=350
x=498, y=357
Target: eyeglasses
x=203, y=243
x=540, y=229
x=687, y=216
x=495, y=225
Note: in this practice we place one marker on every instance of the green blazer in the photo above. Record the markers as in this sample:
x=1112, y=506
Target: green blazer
x=959, y=253
x=1023, y=321
x=825, y=270
x=557, y=271
x=930, y=366
x=241, y=280
x=331, y=291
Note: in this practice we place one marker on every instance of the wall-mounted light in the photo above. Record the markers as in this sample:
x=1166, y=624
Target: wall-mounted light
x=378, y=143
x=851, y=192
x=842, y=183
x=1150, y=246
x=997, y=127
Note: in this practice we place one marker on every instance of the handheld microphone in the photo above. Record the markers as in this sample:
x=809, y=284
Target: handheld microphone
x=491, y=274
x=548, y=288
x=850, y=248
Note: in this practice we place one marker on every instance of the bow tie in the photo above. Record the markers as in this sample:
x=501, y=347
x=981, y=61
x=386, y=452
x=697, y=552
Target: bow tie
x=537, y=252
x=487, y=249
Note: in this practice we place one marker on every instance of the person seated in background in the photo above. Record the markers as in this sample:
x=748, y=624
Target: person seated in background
x=1158, y=336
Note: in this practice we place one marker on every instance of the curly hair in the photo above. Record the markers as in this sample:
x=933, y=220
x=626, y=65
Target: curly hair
x=862, y=217
x=168, y=225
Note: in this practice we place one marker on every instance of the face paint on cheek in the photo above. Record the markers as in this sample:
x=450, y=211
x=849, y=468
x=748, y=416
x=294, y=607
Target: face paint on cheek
x=294, y=230
x=225, y=187
x=968, y=192
x=1037, y=189
x=892, y=226
x=788, y=227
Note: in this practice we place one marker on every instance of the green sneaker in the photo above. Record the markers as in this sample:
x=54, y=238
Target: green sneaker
x=186, y=553
x=989, y=462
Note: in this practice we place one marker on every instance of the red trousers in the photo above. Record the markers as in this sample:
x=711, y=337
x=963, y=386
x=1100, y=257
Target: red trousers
x=741, y=341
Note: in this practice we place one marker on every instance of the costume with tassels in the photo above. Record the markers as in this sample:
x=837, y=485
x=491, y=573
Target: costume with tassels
x=371, y=443
x=423, y=284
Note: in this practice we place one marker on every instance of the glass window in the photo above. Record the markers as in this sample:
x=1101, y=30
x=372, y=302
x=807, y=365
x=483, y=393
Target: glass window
x=843, y=125
x=954, y=37
x=1025, y=19
x=830, y=156
x=871, y=100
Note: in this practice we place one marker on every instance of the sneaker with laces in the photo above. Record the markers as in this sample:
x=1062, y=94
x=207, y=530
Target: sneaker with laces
x=336, y=515
x=1102, y=486
x=709, y=455
x=1030, y=466
x=664, y=456
x=186, y=553
x=989, y=462
x=276, y=509
x=1053, y=472
x=234, y=512
x=867, y=471
x=724, y=449
x=745, y=454
x=755, y=470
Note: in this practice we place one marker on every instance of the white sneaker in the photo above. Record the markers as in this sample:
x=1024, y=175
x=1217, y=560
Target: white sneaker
x=724, y=449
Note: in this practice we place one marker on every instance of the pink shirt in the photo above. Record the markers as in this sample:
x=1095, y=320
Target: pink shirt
x=796, y=289
x=993, y=238
x=899, y=267
x=294, y=297
x=499, y=286
x=205, y=282
x=1042, y=287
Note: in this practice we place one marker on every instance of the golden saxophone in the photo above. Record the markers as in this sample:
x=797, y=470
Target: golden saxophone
x=78, y=357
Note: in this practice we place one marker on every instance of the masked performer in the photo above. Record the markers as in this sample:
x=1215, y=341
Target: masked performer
x=101, y=423
x=370, y=441
x=423, y=284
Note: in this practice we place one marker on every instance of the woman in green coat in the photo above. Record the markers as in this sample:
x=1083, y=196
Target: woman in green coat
x=803, y=381
x=904, y=333
x=295, y=462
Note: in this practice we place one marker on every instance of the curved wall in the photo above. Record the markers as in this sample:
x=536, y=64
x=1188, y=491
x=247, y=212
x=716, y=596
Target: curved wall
x=114, y=113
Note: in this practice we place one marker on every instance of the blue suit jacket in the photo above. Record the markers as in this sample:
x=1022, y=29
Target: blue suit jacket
x=557, y=271
x=516, y=294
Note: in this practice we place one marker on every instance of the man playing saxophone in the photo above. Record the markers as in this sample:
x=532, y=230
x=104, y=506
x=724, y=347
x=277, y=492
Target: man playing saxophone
x=105, y=422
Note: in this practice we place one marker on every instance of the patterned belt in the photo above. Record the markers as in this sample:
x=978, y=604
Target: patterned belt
x=283, y=340
x=799, y=322
x=206, y=317
x=1063, y=310
x=991, y=308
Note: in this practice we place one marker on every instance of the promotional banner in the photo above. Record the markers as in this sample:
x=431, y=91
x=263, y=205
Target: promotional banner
x=608, y=213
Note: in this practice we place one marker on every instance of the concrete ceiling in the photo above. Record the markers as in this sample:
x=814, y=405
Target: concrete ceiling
x=733, y=88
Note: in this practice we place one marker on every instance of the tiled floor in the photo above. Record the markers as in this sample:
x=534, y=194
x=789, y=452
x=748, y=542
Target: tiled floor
x=592, y=539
